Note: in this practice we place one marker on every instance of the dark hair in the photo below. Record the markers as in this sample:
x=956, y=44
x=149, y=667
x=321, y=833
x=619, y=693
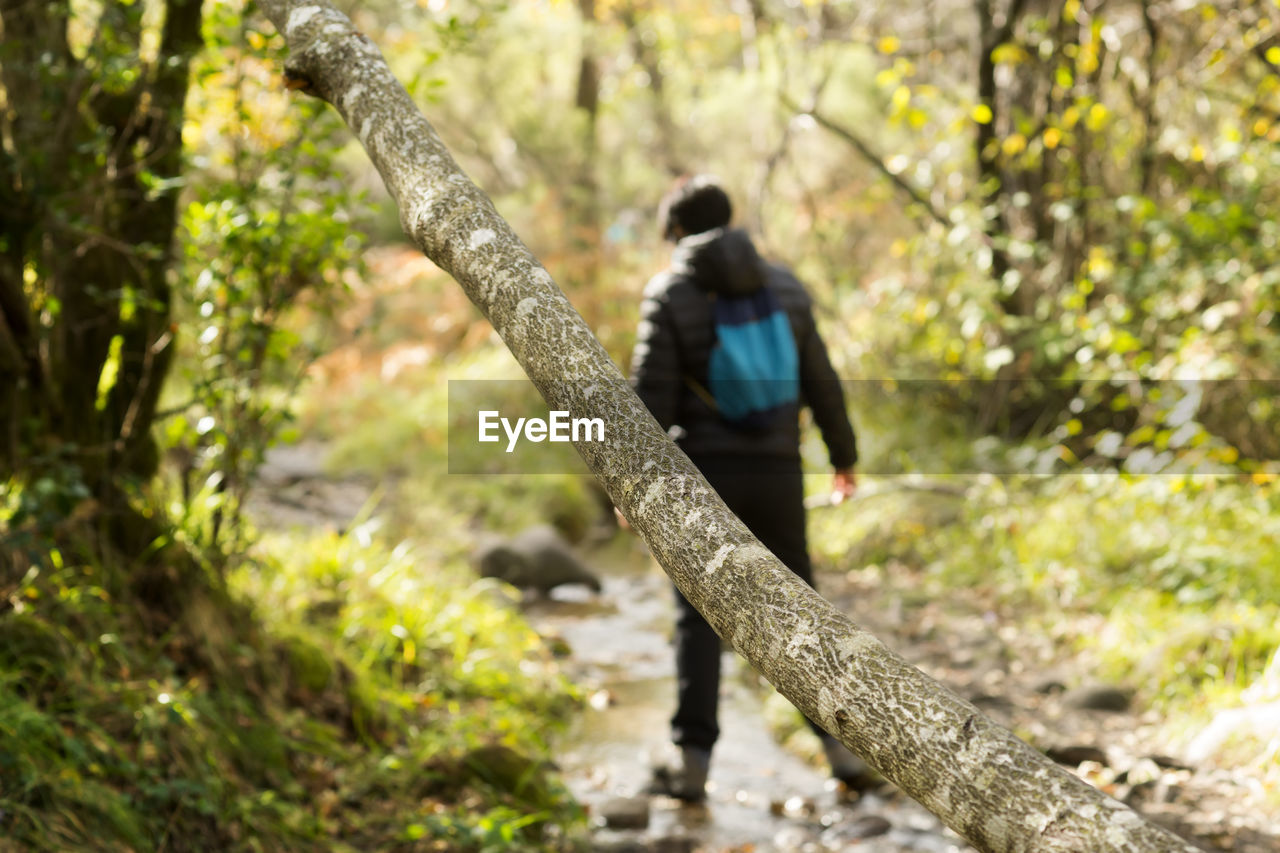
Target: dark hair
x=694, y=205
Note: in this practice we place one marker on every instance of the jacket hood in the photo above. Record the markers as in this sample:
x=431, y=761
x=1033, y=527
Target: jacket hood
x=722, y=261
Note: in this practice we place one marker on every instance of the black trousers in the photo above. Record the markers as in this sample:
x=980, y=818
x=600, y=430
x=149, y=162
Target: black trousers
x=768, y=495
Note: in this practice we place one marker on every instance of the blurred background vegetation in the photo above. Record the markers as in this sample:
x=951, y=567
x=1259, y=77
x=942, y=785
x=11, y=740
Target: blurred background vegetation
x=1041, y=237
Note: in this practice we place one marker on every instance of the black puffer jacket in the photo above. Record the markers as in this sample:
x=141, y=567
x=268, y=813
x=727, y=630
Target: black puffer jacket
x=676, y=336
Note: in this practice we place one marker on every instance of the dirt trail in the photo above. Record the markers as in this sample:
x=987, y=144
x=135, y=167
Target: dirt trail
x=760, y=796
x=764, y=798
x=1023, y=680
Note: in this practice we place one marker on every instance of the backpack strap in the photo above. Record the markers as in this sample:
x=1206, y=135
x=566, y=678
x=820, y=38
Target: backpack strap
x=702, y=393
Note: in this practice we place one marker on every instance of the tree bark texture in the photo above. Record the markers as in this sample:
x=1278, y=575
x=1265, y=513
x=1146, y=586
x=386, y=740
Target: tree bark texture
x=978, y=777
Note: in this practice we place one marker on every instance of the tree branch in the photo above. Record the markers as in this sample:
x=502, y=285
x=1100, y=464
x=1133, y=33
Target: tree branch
x=147, y=350
x=644, y=54
x=984, y=782
x=1146, y=158
x=990, y=176
x=874, y=161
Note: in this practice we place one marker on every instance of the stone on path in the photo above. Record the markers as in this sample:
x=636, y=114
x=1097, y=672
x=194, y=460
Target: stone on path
x=673, y=844
x=535, y=558
x=1073, y=755
x=857, y=829
x=618, y=844
x=625, y=813
x=1099, y=697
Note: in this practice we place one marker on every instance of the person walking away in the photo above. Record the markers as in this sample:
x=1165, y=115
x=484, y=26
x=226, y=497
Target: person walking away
x=726, y=354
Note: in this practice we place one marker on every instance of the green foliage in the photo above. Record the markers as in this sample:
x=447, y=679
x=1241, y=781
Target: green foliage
x=1133, y=571
x=142, y=703
x=453, y=679
x=388, y=605
x=335, y=715
x=268, y=229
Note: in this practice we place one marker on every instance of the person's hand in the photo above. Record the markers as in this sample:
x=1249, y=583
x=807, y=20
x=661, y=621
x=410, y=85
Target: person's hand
x=843, y=485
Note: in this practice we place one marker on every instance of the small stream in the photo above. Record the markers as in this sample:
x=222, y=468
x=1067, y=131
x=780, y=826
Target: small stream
x=760, y=796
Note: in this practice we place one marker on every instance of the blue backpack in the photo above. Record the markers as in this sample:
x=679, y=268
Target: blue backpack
x=754, y=370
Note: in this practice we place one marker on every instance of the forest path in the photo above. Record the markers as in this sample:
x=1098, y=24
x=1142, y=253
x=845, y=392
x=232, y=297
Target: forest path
x=763, y=797
x=1032, y=684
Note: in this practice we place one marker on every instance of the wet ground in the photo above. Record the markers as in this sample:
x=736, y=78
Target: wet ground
x=763, y=797
x=760, y=796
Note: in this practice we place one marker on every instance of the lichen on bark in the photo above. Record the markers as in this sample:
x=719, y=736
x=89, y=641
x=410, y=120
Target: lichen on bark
x=975, y=775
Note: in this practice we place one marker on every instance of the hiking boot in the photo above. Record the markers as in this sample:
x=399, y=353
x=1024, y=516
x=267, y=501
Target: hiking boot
x=850, y=770
x=684, y=776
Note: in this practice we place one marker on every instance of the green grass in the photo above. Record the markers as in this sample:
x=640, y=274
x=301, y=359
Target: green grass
x=336, y=693
x=1170, y=584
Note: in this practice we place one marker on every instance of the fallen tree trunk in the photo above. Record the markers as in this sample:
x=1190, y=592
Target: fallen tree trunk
x=976, y=776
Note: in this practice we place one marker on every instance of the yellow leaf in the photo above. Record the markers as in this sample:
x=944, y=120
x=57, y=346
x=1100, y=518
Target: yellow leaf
x=1261, y=126
x=1100, y=265
x=887, y=78
x=1273, y=54
x=1008, y=54
x=1142, y=435
x=901, y=97
x=1070, y=116
x=1197, y=153
x=1052, y=138
x=1097, y=117
x=917, y=118
x=1014, y=144
x=889, y=44
x=982, y=114
x=1088, y=61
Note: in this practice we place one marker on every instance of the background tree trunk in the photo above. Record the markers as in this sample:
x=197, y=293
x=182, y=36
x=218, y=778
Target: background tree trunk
x=88, y=208
x=981, y=780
